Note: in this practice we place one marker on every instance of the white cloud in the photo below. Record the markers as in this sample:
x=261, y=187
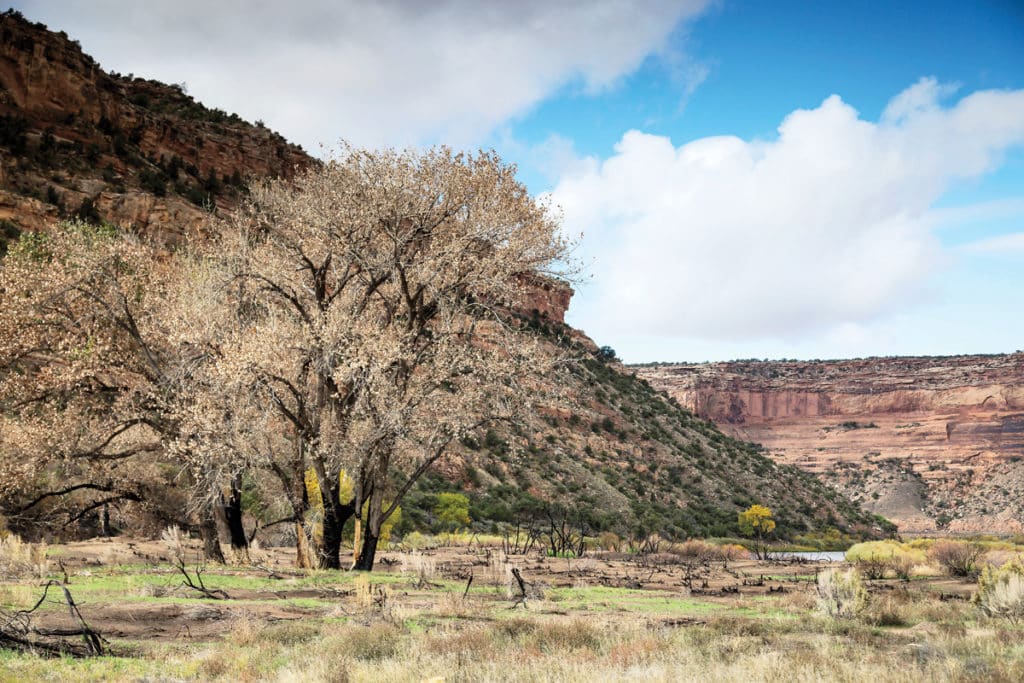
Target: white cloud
x=825, y=227
x=375, y=73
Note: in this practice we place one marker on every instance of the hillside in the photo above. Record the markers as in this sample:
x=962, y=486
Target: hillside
x=636, y=460
x=145, y=157
x=78, y=141
x=930, y=443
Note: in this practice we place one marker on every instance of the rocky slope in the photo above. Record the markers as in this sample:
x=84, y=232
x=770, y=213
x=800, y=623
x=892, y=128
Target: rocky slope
x=77, y=141
x=930, y=443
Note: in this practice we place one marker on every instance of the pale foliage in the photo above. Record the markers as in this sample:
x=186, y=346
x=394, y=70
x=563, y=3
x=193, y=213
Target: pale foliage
x=841, y=593
x=499, y=572
x=367, y=320
x=91, y=375
x=356, y=319
x=175, y=541
x=1001, y=591
x=422, y=568
x=19, y=559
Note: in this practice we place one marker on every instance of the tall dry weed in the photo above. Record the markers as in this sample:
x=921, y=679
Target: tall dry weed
x=22, y=560
x=841, y=593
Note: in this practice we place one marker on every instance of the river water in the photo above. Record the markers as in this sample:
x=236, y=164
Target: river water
x=816, y=556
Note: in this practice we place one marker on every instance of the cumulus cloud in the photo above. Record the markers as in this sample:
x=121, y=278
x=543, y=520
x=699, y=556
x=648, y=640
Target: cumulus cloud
x=829, y=225
x=394, y=73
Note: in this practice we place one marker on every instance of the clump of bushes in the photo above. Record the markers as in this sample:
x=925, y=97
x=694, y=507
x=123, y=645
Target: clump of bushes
x=702, y=551
x=841, y=594
x=958, y=558
x=1001, y=591
x=877, y=559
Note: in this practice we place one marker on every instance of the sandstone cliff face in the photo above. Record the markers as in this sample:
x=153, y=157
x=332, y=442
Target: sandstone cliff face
x=140, y=154
x=934, y=444
x=545, y=298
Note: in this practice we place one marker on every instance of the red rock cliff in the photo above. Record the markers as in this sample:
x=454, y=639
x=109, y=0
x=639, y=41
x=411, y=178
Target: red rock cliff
x=931, y=443
x=75, y=139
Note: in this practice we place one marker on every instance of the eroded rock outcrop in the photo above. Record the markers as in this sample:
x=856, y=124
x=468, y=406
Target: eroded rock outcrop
x=930, y=443
x=76, y=140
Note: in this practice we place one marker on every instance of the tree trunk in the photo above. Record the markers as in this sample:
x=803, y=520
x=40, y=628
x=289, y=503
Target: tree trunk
x=303, y=556
x=232, y=507
x=374, y=519
x=335, y=517
x=211, y=539
x=105, y=521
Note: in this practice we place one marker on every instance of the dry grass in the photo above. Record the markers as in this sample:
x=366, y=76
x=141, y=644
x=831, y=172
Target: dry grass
x=422, y=568
x=906, y=632
x=22, y=560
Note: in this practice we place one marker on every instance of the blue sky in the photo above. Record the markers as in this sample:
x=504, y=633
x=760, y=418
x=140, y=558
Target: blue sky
x=752, y=179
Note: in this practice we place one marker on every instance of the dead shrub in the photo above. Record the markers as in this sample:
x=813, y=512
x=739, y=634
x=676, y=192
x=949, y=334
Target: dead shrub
x=958, y=558
x=421, y=567
x=288, y=633
x=499, y=571
x=636, y=651
x=511, y=629
x=472, y=643
x=695, y=550
x=888, y=611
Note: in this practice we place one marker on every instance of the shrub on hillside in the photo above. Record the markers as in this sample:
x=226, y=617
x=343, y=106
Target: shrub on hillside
x=841, y=594
x=958, y=558
x=1001, y=591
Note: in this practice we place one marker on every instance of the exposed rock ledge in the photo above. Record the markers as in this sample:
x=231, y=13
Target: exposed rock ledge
x=934, y=444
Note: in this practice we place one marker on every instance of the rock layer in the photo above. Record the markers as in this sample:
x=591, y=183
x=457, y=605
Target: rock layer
x=934, y=444
x=141, y=154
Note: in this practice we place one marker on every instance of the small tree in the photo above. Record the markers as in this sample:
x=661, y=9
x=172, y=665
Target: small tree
x=756, y=521
x=958, y=558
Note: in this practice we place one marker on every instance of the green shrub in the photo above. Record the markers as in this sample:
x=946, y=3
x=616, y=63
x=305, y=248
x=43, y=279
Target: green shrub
x=452, y=511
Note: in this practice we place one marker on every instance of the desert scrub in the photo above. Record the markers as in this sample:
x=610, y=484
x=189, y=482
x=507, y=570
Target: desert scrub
x=876, y=559
x=841, y=593
x=365, y=643
x=1001, y=591
x=958, y=558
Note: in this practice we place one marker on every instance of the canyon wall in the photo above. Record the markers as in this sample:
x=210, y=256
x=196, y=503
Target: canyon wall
x=78, y=141
x=933, y=444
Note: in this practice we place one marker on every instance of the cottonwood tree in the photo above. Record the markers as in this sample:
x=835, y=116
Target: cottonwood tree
x=374, y=331
x=80, y=416
x=93, y=375
x=756, y=521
